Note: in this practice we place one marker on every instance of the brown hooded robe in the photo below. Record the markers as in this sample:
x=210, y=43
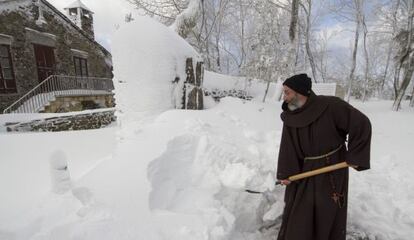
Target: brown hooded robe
x=320, y=126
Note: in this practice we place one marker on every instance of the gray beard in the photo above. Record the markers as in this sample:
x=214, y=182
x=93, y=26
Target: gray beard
x=292, y=107
x=295, y=105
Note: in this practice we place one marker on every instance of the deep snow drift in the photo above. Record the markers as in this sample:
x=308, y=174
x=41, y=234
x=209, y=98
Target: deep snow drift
x=181, y=175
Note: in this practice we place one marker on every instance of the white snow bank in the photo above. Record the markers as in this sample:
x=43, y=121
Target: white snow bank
x=148, y=57
x=174, y=177
x=380, y=200
x=204, y=171
x=25, y=166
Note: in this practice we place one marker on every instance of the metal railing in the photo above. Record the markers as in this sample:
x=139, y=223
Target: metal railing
x=58, y=85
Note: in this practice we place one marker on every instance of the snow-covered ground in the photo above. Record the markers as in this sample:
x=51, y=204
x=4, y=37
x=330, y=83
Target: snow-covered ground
x=182, y=174
x=179, y=174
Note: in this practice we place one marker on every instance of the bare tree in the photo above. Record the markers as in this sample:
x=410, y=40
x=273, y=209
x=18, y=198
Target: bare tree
x=366, y=56
x=358, y=17
x=181, y=15
x=308, y=11
x=289, y=64
x=322, y=54
x=165, y=11
x=391, y=44
x=406, y=57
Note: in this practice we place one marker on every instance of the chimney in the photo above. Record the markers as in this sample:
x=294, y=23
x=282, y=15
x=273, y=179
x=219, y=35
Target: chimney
x=79, y=14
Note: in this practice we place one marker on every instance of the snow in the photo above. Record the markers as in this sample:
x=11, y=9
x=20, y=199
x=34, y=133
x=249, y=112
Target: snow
x=147, y=58
x=59, y=172
x=182, y=174
x=78, y=4
x=165, y=173
x=25, y=169
x=187, y=16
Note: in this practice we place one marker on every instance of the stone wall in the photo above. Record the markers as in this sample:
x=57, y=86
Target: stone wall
x=66, y=39
x=92, y=120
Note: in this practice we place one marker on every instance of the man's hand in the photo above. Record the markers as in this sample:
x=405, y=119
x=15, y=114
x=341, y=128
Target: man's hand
x=285, y=182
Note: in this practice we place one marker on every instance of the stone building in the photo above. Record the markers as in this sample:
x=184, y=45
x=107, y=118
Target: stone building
x=49, y=61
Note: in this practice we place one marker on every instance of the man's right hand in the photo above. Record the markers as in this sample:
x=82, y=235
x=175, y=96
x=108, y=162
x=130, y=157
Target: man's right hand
x=285, y=182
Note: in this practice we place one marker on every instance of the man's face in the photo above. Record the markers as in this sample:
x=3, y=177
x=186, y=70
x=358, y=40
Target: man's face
x=289, y=96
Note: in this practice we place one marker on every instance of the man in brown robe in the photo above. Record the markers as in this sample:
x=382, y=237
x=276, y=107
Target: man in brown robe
x=315, y=131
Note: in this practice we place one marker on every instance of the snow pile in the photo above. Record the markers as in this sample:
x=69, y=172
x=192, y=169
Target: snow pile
x=204, y=172
x=182, y=175
x=26, y=169
x=148, y=57
x=380, y=200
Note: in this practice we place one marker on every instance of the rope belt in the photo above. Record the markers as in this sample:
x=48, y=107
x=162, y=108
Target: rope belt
x=324, y=155
x=337, y=197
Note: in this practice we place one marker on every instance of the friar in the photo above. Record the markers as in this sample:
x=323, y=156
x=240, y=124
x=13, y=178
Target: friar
x=318, y=131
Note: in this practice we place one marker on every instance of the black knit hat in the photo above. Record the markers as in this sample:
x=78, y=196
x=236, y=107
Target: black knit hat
x=300, y=83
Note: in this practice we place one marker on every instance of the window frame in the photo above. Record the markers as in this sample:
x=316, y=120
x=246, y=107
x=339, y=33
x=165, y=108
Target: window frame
x=81, y=66
x=4, y=83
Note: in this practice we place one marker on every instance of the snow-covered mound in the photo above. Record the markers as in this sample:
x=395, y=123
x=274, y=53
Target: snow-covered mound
x=148, y=57
x=28, y=169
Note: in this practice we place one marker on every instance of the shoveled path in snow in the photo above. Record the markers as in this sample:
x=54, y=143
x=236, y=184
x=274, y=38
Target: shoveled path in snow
x=183, y=174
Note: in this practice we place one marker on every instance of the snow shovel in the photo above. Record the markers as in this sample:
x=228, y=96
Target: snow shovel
x=309, y=174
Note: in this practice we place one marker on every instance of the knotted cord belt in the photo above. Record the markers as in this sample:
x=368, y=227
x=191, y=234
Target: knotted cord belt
x=324, y=155
x=337, y=197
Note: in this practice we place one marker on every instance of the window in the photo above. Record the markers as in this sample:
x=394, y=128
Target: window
x=81, y=66
x=7, y=80
x=45, y=61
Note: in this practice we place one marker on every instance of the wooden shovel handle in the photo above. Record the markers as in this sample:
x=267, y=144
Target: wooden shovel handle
x=317, y=171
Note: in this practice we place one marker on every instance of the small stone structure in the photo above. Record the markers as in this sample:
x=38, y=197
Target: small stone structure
x=93, y=120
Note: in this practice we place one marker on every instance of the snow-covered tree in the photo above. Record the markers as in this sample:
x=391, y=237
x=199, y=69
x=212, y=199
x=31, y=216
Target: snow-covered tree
x=181, y=15
x=405, y=56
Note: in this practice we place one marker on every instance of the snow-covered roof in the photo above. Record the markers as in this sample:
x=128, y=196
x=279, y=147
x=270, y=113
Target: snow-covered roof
x=78, y=4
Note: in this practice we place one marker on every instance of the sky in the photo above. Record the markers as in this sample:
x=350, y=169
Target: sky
x=107, y=15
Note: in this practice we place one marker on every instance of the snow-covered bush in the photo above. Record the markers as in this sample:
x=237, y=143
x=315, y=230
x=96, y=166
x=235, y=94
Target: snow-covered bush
x=217, y=94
